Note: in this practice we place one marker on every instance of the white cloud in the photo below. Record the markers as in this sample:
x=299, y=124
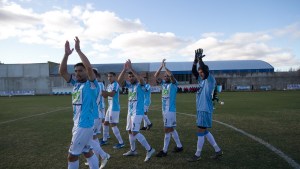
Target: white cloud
x=243, y=46
x=58, y=24
x=147, y=46
x=106, y=25
x=292, y=31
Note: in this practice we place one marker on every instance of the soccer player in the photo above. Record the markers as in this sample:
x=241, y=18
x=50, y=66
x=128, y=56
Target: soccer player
x=169, y=91
x=99, y=108
x=113, y=111
x=83, y=98
x=135, y=113
x=204, y=106
x=147, y=123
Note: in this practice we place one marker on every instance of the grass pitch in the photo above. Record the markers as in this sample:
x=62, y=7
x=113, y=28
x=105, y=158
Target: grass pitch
x=35, y=132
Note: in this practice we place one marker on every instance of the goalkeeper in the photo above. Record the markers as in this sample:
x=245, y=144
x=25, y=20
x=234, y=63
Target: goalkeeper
x=204, y=106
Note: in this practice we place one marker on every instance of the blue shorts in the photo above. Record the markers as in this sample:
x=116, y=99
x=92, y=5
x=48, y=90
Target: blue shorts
x=204, y=119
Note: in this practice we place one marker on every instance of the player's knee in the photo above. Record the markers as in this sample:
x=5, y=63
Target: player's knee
x=169, y=129
x=72, y=158
x=88, y=154
x=134, y=133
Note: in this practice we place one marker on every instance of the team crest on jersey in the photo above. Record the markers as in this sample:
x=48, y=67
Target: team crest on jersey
x=132, y=96
x=165, y=92
x=75, y=96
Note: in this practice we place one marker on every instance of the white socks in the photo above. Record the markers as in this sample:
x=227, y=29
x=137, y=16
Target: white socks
x=97, y=148
x=93, y=162
x=200, y=143
x=143, y=141
x=146, y=121
x=117, y=134
x=166, y=142
x=132, y=142
x=105, y=132
x=212, y=141
x=73, y=165
x=176, y=138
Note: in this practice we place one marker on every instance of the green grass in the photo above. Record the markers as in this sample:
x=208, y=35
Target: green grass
x=42, y=141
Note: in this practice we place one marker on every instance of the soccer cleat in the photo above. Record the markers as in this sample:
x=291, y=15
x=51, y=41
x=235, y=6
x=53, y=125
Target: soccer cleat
x=103, y=142
x=143, y=128
x=177, y=149
x=217, y=155
x=149, y=126
x=104, y=161
x=149, y=154
x=161, y=154
x=194, y=158
x=130, y=153
x=118, y=146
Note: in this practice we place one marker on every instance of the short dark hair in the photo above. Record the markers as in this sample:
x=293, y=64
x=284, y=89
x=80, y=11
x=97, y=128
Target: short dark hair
x=95, y=71
x=79, y=64
x=130, y=73
x=205, y=70
x=111, y=73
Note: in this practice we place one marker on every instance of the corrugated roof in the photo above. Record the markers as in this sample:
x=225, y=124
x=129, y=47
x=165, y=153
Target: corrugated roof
x=180, y=66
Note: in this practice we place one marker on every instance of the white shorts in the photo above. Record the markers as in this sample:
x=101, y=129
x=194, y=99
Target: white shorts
x=169, y=119
x=112, y=116
x=81, y=139
x=97, y=126
x=134, y=122
x=146, y=109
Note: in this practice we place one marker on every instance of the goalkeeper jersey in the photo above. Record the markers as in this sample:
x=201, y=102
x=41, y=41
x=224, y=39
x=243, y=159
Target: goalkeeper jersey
x=204, y=94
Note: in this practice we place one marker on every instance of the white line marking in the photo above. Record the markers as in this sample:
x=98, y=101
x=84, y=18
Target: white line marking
x=289, y=160
x=13, y=120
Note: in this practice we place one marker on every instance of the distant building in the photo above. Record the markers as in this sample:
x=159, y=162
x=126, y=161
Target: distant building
x=43, y=78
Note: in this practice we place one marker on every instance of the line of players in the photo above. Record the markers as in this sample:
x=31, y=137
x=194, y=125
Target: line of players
x=89, y=109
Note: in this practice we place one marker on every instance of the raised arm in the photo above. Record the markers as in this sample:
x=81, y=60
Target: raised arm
x=85, y=61
x=200, y=56
x=203, y=66
x=194, y=68
x=169, y=73
x=156, y=75
x=63, y=71
x=121, y=75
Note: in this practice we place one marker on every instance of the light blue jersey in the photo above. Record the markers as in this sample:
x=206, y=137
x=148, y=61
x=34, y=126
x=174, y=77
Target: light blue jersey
x=113, y=102
x=83, y=100
x=100, y=99
x=136, y=94
x=147, y=95
x=204, y=94
x=169, y=91
x=99, y=102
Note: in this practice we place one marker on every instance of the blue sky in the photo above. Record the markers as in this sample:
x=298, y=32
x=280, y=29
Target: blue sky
x=112, y=31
